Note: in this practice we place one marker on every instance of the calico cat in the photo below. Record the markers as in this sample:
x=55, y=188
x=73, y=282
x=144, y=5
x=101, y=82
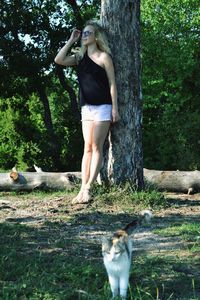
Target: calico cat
x=117, y=252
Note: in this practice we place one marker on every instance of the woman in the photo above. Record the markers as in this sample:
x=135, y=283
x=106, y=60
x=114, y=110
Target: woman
x=98, y=97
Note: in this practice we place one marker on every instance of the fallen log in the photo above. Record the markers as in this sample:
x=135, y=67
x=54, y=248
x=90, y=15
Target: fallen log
x=27, y=181
x=174, y=181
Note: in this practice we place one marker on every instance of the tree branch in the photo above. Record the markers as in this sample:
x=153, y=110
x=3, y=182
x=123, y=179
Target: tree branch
x=76, y=9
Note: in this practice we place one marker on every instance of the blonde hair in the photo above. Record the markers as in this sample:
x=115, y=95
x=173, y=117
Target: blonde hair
x=101, y=40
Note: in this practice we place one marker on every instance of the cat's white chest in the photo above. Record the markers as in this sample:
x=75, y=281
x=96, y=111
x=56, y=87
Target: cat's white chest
x=117, y=266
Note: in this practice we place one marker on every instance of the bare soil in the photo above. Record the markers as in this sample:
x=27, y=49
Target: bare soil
x=35, y=210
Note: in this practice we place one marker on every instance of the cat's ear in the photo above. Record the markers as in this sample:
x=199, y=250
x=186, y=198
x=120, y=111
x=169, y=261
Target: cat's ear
x=106, y=243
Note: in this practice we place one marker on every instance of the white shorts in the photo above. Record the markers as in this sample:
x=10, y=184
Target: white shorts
x=101, y=112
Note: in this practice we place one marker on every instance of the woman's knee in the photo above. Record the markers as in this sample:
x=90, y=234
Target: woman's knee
x=97, y=146
x=88, y=148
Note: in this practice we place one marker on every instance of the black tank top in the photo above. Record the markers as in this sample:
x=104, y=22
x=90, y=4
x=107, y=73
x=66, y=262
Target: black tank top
x=93, y=83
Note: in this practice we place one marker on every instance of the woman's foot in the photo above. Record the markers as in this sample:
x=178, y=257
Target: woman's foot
x=83, y=196
x=78, y=198
x=86, y=196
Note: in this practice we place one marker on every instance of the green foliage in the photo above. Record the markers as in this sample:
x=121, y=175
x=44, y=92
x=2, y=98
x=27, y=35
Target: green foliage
x=47, y=134
x=170, y=84
x=37, y=124
x=67, y=129
x=15, y=140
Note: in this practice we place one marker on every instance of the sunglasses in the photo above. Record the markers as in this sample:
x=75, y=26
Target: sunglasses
x=86, y=33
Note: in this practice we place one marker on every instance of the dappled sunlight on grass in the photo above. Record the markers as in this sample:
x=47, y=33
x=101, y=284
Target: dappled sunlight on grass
x=52, y=250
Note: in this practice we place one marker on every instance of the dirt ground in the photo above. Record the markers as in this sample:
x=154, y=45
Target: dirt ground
x=34, y=211
x=53, y=217
x=186, y=208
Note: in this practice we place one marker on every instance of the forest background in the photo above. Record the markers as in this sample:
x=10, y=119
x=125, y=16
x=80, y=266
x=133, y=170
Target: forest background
x=39, y=123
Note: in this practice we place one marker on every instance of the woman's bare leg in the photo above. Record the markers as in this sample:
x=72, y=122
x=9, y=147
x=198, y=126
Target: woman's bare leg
x=87, y=129
x=100, y=131
x=94, y=134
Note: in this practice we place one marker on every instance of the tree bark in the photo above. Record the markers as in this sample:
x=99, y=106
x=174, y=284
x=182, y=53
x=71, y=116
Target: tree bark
x=125, y=157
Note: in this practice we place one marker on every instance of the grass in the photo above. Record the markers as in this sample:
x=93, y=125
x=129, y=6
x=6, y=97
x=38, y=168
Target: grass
x=189, y=232
x=126, y=197
x=59, y=258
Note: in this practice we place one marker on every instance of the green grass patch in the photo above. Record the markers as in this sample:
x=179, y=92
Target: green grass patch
x=126, y=197
x=43, y=264
x=57, y=259
x=160, y=277
x=187, y=231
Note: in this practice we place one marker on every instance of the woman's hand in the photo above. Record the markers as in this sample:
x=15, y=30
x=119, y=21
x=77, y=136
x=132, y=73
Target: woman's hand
x=115, y=115
x=75, y=35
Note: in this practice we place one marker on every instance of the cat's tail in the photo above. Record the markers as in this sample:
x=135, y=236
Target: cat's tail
x=145, y=215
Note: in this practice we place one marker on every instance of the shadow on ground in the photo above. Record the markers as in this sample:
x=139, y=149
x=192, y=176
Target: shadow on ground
x=43, y=258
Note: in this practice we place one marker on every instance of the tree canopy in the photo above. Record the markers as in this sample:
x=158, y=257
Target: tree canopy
x=40, y=126
x=170, y=56
x=38, y=113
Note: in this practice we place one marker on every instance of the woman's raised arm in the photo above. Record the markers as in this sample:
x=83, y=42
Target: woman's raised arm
x=62, y=58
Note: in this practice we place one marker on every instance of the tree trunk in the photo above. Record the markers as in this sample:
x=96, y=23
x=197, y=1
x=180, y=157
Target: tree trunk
x=54, y=150
x=125, y=157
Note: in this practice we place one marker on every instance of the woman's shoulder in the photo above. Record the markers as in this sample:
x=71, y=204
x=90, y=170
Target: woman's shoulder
x=105, y=57
x=104, y=54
